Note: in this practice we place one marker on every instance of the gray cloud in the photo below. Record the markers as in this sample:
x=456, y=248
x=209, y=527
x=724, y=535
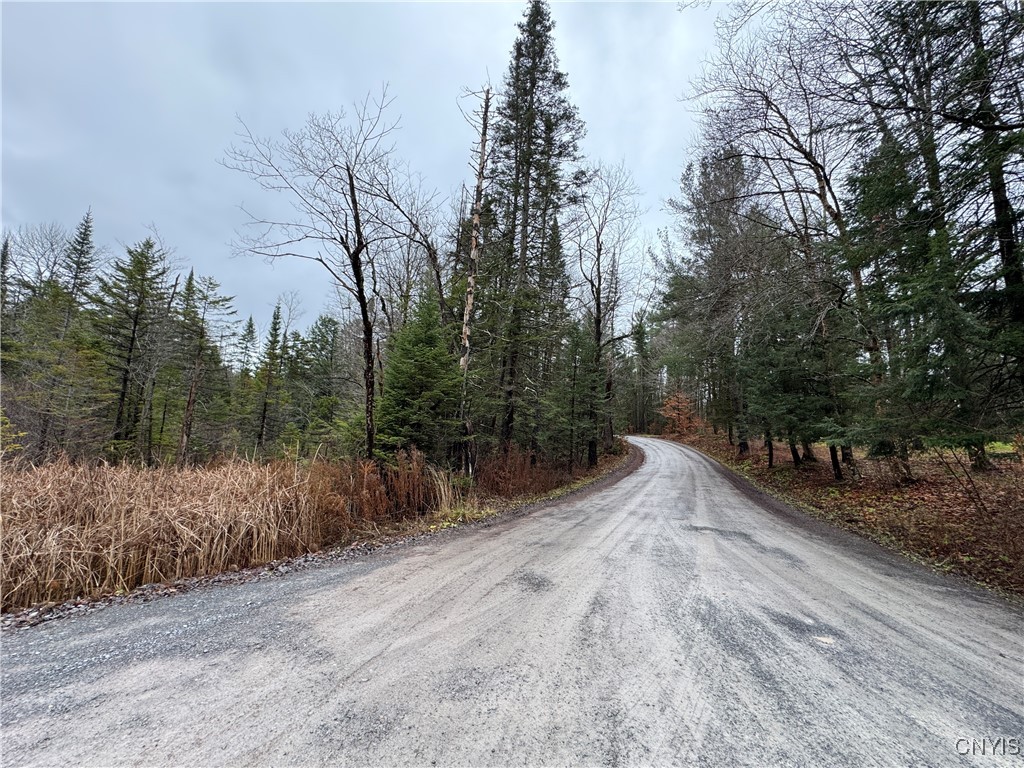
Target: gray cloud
x=127, y=107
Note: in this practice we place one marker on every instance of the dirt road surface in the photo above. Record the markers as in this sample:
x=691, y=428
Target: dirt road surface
x=675, y=617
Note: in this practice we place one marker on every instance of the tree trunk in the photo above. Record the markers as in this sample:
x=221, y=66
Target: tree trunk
x=770, y=446
x=809, y=456
x=468, y=446
x=368, y=374
x=120, y=426
x=794, y=452
x=189, y=415
x=572, y=416
x=837, y=467
x=743, y=445
x=980, y=461
x=994, y=155
x=355, y=256
x=609, y=425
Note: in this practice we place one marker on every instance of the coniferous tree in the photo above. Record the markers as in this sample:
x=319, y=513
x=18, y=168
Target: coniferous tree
x=268, y=375
x=420, y=402
x=5, y=271
x=536, y=137
x=202, y=313
x=48, y=349
x=129, y=303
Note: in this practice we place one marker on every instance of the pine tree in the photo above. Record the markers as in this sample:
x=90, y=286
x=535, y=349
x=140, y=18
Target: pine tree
x=323, y=377
x=77, y=270
x=247, y=348
x=268, y=375
x=129, y=303
x=48, y=346
x=202, y=311
x=5, y=275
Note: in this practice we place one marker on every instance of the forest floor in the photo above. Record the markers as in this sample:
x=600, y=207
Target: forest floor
x=959, y=521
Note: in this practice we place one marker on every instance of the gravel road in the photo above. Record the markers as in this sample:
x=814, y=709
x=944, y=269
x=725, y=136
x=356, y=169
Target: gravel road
x=676, y=617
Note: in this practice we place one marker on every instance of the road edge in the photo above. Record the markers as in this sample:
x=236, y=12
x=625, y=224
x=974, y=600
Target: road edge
x=804, y=517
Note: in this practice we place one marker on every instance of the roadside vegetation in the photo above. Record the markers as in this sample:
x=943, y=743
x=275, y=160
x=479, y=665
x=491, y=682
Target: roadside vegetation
x=843, y=313
x=78, y=531
x=949, y=515
x=842, y=283
x=147, y=433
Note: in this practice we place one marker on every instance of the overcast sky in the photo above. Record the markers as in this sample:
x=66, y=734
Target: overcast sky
x=127, y=107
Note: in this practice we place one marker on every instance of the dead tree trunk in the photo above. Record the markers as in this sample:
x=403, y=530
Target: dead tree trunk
x=355, y=257
x=468, y=452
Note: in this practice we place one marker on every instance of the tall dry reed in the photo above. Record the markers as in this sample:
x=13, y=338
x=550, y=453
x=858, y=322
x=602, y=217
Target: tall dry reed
x=72, y=531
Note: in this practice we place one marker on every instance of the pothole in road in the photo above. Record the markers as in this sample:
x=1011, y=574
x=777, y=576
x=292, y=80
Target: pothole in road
x=532, y=581
x=821, y=633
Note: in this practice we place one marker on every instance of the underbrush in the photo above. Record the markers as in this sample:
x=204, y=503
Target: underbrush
x=965, y=521
x=515, y=473
x=71, y=530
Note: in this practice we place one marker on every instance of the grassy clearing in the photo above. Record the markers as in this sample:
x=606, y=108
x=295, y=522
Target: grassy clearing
x=72, y=531
x=967, y=522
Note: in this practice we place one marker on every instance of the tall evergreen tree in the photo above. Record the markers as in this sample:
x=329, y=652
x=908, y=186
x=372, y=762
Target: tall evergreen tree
x=420, y=402
x=129, y=303
x=536, y=141
x=5, y=276
x=47, y=343
x=202, y=310
x=268, y=375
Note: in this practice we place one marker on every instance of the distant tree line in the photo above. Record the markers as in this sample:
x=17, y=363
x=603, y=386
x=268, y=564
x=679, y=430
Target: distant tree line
x=851, y=269
x=499, y=326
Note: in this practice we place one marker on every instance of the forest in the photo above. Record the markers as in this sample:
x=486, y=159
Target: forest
x=499, y=326
x=844, y=269
x=848, y=266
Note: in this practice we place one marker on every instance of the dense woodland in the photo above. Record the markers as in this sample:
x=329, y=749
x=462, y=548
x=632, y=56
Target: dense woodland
x=845, y=268
x=848, y=267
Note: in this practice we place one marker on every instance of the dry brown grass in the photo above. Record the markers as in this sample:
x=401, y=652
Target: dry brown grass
x=516, y=473
x=80, y=531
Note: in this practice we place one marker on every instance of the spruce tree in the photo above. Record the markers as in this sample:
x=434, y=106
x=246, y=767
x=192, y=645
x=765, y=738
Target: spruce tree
x=79, y=263
x=421, y=396
x=247, y=348
x=268, y=375
x=536, y=140
x=202, y=314
x=129, y=302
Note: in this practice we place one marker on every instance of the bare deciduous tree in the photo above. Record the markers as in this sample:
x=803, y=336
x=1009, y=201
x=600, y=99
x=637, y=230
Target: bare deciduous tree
x=351, y=202
x=606, y=220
